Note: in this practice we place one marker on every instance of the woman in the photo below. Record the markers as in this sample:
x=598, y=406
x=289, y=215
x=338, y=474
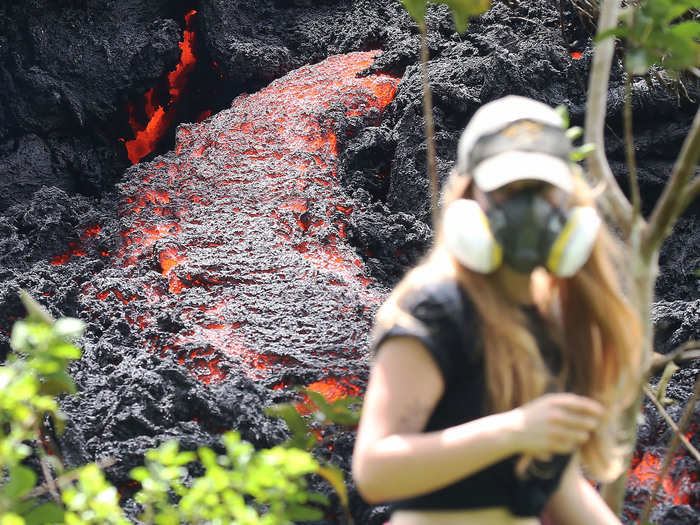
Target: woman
x=503, y=361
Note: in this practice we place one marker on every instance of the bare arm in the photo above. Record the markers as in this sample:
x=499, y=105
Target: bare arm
x=393, y=459
x=576, y=502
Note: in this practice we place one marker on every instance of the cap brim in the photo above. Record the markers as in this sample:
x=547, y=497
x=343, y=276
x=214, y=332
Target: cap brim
x=512, y=166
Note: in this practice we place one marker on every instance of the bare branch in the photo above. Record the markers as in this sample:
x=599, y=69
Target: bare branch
x=685, y=352
x=50, y=481
x=613, y=201
x=429, y=126
x=629, y=149
x=63, y=481
x=671, y=423
x=680, y=430
x=674, y=198
x=691, y=192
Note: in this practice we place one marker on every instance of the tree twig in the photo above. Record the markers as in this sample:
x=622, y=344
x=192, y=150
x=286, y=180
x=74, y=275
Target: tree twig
x=50, y=481
x=66, y=479
x=671, y=423
x=629, y=150
x=614, y=202
x=683, y=353
x=674, y=199
x=685, y=420
x=429, y=126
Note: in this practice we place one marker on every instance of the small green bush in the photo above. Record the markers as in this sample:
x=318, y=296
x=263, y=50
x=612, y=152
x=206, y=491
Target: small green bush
x=243, y=485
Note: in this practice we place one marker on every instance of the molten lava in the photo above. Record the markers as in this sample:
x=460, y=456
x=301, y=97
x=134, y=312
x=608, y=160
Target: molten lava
x=160, y=118
x=245, y=216
x=678, y=486
x=75, y=248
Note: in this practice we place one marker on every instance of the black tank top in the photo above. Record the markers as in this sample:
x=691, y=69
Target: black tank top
x=441, y=316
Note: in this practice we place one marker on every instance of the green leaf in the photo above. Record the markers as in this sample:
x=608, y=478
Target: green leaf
x=319, y=498
x=563, y=113
x=334, y=476
x=44, y=514
x=679, y=8
x=637, y=62
x=66, y=351
x=21, y=483
x=207, y=456
x=615, y=31
x=574, y=132
x=24, y=506
x=582, y=152
x=69, y=328
x=690, y=29
x=304, y=513
x=11, y=519
x=57, y=383
x=19, y=339
x=681, y=53
x=139, y=473
x=338, y=411
x=416, y=8
x=463, y=10
x=46, y=367
x=35, y=311
x=301, y=434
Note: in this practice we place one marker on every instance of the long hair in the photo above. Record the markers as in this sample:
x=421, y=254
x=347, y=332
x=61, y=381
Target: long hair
x=598, y=332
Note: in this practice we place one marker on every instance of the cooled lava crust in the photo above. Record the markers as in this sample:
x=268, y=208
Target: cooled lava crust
x=249, y=252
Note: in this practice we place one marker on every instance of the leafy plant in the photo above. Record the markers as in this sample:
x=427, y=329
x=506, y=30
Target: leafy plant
x=306, y=429
x=29, y=381
x=92, y=500
x=245, y=486
x=574, y=133
x=653, y=34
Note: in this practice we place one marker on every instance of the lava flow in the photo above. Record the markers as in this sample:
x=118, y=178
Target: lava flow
x=160, y=118
x=245, y=227
x=679, y=486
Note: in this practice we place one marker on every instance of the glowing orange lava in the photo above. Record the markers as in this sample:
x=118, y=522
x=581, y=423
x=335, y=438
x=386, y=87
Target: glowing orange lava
x=331, y=388
x=78, y=249
x=678, y=489
x=161, y=118
x=265, y=167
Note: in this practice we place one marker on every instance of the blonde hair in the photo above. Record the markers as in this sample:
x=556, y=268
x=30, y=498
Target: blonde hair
x=598, y=332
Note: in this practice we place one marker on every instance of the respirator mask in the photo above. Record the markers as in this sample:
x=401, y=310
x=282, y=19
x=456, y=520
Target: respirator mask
x=524, y=231
x=509, y=140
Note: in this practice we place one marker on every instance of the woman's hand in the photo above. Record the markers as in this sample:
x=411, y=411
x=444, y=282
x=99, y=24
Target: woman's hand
x=555, y=424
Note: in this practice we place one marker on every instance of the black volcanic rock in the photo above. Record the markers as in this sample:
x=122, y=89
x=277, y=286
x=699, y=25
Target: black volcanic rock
x=257, y=41
x=68, y=68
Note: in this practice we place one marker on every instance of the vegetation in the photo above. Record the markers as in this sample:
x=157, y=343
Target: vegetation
x=658, y=35
x=242, y=485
